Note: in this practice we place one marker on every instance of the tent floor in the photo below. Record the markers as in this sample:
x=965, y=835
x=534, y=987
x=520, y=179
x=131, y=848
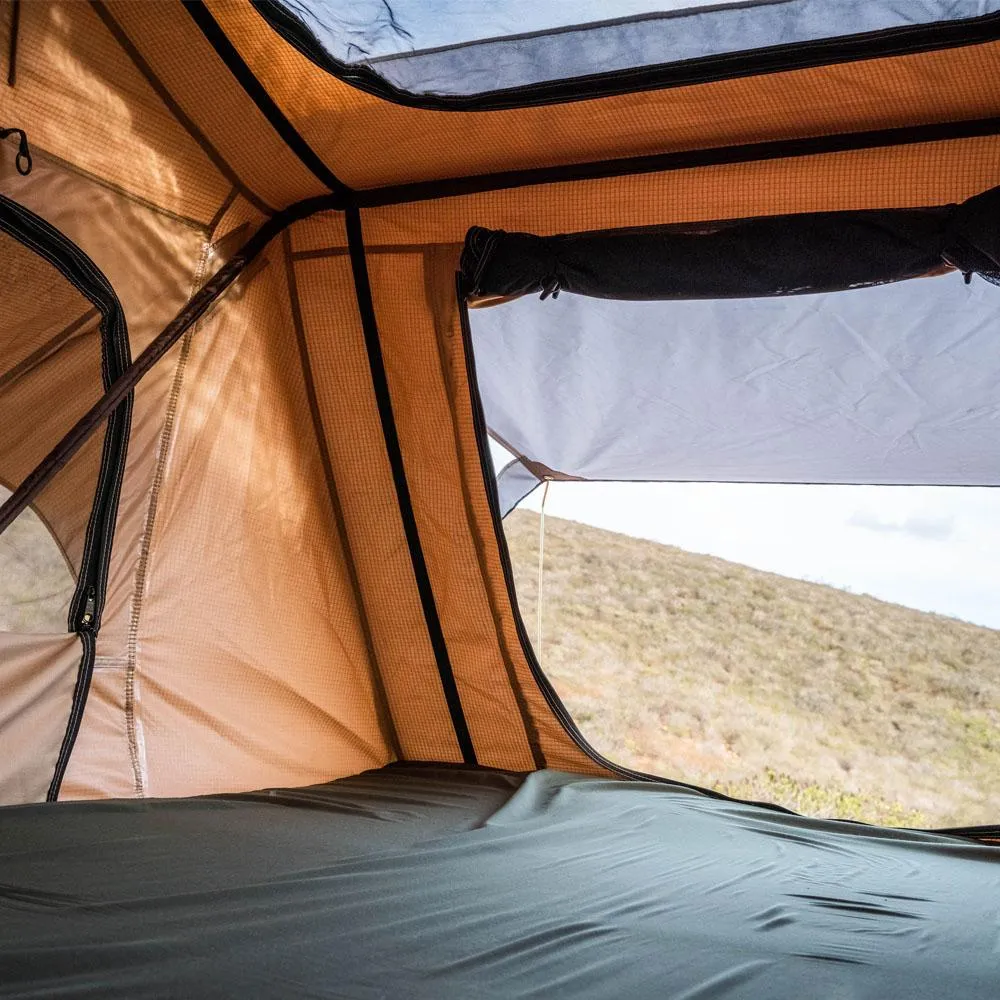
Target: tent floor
x=419, y=881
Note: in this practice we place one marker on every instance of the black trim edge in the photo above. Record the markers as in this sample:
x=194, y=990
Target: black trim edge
x=479, y=544
x=229, y=54
x=82, y=688
x=899, y=41
x=380, y=384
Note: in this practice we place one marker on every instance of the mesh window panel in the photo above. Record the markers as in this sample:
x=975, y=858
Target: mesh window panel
x=461, y=50
x=53, y=360
x=41, y=551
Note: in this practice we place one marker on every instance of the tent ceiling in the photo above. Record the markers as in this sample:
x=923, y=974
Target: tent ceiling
x=369, y=142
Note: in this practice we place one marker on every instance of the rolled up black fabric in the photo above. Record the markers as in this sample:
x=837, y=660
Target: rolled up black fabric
x=973, y=241
x=746, y=258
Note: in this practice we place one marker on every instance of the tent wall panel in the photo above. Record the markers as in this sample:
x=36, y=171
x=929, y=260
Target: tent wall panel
x=37, y=676
x=80, y=98
x=265, y=619
x=343, y=385
x=400, y=291
x=932, y=173
x=402, y=144
x=504, y=708
x=206, y=93
x=250, y=664
x=51, y=341
x=101, y=766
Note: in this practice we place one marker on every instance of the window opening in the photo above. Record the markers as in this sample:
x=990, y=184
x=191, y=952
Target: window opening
x=36, y=580
x=769, y=543
x=522, y=52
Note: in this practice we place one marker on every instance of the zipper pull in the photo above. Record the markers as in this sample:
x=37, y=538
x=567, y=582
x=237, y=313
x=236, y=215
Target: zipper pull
x=89, y=607
x=23, y=159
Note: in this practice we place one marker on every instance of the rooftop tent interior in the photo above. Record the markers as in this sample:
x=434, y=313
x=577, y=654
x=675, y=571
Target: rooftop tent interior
x=250, y=530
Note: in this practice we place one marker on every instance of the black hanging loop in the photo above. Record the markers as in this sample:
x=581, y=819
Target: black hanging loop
x=23, y=159
x=487, y=253
x=550, y=286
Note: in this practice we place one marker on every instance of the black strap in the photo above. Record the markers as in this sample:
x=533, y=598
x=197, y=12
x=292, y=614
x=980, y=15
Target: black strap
x=228, y=53
x=380, y=382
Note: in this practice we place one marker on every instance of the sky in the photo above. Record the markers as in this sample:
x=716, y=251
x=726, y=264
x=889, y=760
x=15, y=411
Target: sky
x=929, y=547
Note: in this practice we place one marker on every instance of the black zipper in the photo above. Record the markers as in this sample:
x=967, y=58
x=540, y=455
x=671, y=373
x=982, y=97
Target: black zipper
x=87, y=602
x=903, y=40
x=81, y=272
x=979, y=834
x=80, y=691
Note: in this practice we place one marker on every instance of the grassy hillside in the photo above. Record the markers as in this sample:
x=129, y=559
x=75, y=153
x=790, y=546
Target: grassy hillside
x=35, y=582
x=764, y=687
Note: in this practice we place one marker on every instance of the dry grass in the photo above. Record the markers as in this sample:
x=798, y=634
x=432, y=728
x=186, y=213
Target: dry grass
x=35, y=582
x=764, y=687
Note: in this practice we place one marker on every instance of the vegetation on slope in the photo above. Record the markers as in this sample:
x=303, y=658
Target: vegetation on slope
x=830, y=703
x=35, y=582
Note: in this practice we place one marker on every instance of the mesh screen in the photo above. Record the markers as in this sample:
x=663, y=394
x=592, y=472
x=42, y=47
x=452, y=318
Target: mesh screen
x=457, y=48
x=50, y=374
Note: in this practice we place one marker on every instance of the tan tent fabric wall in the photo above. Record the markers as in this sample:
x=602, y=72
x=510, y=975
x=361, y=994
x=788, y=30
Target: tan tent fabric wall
x=251, y=666
x=80, y=99
x=205, y=91
x=360, y=469
x=155, y=261
x=37, y=675
x=405, y=293
x=50, y=375
x=263, y=624
x=370, y=142
x=423, y=356
x=928, y=173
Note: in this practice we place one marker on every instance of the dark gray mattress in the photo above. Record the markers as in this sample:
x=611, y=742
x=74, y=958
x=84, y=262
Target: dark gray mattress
x=438, y=882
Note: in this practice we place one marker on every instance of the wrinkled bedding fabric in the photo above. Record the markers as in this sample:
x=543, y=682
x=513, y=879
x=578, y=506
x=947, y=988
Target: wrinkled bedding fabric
x=440, y=882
